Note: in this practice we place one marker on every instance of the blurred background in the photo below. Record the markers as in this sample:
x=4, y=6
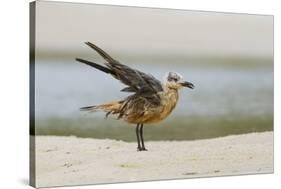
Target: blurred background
x=228, y=57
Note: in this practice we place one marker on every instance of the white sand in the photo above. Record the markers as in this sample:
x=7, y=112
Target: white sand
x=75, y=161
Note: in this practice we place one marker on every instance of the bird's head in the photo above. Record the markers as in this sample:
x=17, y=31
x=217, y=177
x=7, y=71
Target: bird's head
x=174, y=80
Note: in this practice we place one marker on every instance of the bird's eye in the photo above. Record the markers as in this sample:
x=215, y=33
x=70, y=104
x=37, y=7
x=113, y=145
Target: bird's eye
x=173, y=78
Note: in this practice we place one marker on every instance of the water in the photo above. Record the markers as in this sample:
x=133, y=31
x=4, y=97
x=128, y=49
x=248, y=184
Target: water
x=224, y=96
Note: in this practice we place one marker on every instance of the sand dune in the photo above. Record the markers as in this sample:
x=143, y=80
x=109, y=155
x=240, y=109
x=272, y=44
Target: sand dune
x=75, y=161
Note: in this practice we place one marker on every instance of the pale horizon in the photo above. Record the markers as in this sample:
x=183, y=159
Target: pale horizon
x=64, y=27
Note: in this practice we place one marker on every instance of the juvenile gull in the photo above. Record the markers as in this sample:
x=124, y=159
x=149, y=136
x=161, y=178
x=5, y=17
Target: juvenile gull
x=151, y=101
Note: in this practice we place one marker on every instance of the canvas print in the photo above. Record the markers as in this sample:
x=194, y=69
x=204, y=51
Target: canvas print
x=127, y=94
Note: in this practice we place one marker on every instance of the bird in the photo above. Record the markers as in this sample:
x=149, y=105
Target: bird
x=150, y=101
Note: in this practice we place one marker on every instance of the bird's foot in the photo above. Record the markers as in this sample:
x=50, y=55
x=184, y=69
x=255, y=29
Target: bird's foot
x=141, y=149
x=144, y=149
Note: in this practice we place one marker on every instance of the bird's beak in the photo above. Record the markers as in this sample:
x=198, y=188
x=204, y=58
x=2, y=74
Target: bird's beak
x=187, y=84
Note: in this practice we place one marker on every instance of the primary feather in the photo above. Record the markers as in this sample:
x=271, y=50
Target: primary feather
x=136, y=81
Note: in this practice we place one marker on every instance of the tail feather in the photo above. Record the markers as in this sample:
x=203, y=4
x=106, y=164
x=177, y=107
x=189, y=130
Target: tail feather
x=88, y=108
x=110, y=108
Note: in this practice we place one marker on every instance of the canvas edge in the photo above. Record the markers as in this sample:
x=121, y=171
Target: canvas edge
x=32, y=22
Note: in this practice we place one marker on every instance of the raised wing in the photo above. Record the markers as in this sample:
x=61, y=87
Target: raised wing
x=136, y=81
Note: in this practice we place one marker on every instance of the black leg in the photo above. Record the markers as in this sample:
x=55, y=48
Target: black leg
x=141, y=135
x=137, y=133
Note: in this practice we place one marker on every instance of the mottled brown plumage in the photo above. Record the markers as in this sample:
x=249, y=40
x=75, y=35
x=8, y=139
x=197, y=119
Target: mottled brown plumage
x=152, y=100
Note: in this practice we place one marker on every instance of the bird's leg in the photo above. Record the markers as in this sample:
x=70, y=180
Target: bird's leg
x=141, y=135
x=138, y=138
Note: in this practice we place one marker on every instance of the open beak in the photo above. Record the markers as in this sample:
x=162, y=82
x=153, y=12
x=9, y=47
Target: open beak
x=187, y=84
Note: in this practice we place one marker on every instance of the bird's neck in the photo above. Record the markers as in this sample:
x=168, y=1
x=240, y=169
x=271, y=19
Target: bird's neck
x=170, y=90
x=172, y=95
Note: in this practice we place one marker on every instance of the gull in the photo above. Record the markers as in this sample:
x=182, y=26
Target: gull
x=151, y=101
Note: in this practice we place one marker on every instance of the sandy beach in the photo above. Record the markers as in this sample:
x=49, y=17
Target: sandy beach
x=74, y=161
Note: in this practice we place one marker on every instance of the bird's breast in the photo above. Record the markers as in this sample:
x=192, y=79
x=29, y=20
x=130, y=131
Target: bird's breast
x=169, y=101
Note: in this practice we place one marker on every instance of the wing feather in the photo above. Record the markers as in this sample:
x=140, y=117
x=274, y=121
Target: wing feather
x=137, y=81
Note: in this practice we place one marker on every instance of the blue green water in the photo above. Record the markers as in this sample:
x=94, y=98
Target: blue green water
x=226, y=100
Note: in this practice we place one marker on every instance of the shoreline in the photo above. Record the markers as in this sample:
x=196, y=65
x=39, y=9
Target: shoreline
x=75, y=161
